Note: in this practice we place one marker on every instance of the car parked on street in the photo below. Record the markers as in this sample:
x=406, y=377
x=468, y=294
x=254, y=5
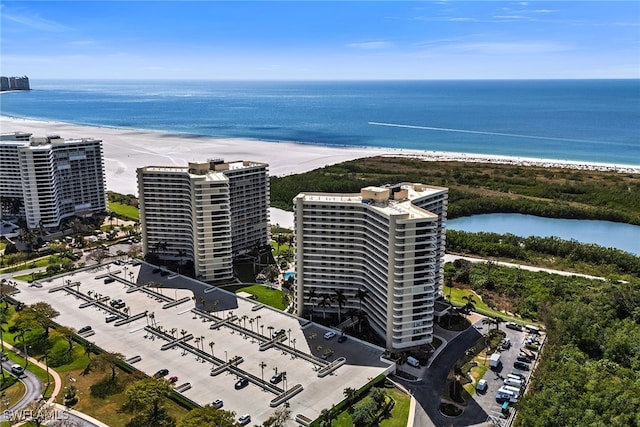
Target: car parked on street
x=328, y=335
x=342, y=338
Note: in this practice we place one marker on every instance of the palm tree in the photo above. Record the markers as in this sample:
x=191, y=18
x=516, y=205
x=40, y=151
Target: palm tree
x=493, y=321
x=470, y=303
x=262, y=366
x=251, y=324
x=341, y=300
x=350, y=394
x=325, y=301
x=311, y=297
x=361, y=294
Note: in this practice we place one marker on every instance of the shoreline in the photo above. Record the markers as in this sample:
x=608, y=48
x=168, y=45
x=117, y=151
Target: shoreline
x=127, y=149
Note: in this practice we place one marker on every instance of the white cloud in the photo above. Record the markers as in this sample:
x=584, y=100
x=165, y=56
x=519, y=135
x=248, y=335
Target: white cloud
x=502, y=48
x=371, y=45
x=35, y=22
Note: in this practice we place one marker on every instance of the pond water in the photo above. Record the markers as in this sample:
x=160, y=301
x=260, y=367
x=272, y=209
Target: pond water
x=604, y=233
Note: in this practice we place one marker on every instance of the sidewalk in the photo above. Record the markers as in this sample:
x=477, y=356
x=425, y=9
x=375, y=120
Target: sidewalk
x=56, y=390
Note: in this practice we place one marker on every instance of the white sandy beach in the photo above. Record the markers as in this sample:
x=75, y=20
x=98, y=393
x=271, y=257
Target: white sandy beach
x=127, y=149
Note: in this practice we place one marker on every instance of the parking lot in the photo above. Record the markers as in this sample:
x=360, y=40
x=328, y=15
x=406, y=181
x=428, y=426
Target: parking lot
x=495, y=377
x=191, y=328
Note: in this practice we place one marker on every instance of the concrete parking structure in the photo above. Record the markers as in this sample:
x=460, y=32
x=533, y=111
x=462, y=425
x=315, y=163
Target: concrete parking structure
x=209, y=338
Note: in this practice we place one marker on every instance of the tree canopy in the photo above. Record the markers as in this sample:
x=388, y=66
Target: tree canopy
x=208, y=416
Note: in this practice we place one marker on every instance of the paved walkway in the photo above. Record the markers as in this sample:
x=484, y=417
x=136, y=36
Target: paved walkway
x=78, y=417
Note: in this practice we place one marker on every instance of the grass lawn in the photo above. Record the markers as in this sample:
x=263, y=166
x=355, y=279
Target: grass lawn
x=399, y=413
x=105, y=409
x=266, y=295
x=480, y=306
x=128, y=211
x=12, y=389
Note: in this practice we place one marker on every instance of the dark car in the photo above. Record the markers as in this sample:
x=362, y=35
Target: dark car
x=109, y=280
x=523, y=358
x=278, y=332
x=161, y=373
x=173, y=379
x=521, y=365
x=84, y=329
x=242, y=383
x=276, y=378
x=342, y=338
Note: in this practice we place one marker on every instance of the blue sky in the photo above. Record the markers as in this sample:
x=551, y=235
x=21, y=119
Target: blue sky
x=307, y=40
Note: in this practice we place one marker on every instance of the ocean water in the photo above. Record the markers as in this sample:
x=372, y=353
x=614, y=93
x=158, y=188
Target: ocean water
x=580, y=120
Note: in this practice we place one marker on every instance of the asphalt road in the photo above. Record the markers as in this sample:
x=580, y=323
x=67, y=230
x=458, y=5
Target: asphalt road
x=428, y=390
x=32, y=384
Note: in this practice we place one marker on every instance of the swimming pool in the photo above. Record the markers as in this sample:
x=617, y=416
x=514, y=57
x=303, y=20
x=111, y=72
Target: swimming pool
x=288, y=274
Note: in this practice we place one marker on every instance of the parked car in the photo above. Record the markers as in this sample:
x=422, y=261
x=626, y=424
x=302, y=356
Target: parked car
x=84, y=329
x=113, y=302
x=111, y=318
x=482, y=386
x=519, y=375
x=329, y=335
x=242, y=383
x=217, y=403
x=17, y=369
x=109, y=280
x=161, y=373
x=276, y=378
x=244, y=419
x=521, y=365
x=342, y=338
x=277, y=332
x=514, y=326
x=523, y=358
x=173, y=379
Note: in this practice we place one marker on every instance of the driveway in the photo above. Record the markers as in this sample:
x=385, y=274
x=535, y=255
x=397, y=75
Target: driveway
x=427, y=391
x=33, y=392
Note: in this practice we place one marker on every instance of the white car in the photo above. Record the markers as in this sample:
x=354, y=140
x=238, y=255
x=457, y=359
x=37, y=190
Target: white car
x=329, y=335
x=244, y=419
x=17, y=369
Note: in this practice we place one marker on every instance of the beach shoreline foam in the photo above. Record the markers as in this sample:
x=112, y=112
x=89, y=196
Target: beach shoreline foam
x=127, y=149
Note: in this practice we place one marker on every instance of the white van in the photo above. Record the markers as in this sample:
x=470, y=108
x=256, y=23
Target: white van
x=513, y=382
x=513, y=389
x=517, y=378
x=413, y=362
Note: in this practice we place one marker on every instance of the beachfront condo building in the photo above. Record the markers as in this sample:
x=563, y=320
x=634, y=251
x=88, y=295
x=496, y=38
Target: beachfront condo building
x=207, y=213
x=47, y=179
x=378, y=253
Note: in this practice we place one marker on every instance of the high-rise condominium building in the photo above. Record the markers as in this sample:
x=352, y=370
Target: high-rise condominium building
x=379, y=252
x=206, y=213
x=48, y=179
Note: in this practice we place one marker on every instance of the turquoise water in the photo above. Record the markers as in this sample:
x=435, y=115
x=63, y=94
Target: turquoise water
x=288, y=275
x=581, y=120
x=603, y=233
